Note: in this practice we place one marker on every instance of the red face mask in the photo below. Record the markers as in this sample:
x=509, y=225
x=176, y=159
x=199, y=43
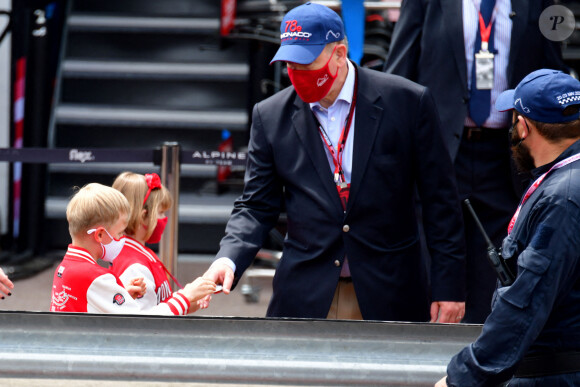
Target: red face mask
x=159, y=228
x=313, y=85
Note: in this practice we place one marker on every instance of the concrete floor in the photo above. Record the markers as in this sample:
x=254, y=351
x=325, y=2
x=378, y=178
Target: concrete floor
x=33, y=294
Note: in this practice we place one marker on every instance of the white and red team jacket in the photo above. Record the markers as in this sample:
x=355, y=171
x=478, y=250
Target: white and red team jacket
x=136, y=260
x=82, y=285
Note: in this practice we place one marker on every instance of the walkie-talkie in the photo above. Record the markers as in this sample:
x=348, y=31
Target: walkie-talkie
x=494, y=256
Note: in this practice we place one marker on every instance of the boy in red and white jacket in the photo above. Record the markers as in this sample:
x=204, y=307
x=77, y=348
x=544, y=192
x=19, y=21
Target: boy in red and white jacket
x=97, y=216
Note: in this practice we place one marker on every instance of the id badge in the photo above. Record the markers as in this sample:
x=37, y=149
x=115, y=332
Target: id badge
x=484, y=70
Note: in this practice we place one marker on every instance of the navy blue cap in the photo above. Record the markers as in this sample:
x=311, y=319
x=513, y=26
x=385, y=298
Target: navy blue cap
x=305, y=31
x=542, y=96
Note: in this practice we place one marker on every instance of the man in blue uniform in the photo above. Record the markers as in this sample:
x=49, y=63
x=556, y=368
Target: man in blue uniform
x=533, y=331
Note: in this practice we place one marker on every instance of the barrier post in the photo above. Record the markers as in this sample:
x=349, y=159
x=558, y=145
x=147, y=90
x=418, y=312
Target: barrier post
x=170, y=170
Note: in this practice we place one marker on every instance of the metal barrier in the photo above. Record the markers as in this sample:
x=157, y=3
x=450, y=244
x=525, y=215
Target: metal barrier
x=226, y=350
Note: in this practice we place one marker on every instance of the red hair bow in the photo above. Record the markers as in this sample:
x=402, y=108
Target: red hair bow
x=153, y=182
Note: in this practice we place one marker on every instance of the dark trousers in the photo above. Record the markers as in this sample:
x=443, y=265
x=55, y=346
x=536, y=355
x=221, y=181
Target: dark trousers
x=484, y=176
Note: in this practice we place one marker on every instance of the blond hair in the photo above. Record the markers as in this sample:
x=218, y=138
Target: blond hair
x=134, y=187
x=95, y=205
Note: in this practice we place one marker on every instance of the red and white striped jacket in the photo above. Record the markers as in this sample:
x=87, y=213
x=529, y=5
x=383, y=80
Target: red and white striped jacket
x=81, y=285
x=136, y=260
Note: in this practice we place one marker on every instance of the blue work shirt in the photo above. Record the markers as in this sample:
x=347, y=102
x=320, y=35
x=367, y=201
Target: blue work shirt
x=540, y=312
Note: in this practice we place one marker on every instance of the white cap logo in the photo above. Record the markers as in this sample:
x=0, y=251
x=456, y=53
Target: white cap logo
x=335, y=34
x=525, y=109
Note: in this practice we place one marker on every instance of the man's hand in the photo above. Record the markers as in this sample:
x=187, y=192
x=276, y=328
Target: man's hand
x=447, y=311
x=220, y=273
x=442, y=382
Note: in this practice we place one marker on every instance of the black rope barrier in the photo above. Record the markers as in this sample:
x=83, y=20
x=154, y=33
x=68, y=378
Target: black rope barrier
x=101, y=155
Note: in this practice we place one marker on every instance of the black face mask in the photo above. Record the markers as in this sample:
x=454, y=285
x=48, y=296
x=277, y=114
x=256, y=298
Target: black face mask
x=520, y=151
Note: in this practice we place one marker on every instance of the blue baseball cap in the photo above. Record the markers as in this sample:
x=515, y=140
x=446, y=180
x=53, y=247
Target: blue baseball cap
x=304, y=32
x=543, y=96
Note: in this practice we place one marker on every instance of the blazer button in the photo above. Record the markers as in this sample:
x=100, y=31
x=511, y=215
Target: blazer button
x=346, y=228
x=337, y=263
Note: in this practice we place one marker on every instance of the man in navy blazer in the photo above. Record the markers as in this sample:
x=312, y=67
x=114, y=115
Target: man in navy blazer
x=433, y=45
x=391, y=149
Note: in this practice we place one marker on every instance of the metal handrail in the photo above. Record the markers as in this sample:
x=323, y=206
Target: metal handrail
x=170, y=172
x=226, y=350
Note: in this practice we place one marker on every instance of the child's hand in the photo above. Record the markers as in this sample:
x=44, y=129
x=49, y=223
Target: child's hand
x=136, y=287
x=200, y=304
x=204, y=302
x=198, y=289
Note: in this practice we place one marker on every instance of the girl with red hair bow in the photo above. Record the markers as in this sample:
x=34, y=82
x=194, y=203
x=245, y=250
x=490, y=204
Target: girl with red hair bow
x=149, y=200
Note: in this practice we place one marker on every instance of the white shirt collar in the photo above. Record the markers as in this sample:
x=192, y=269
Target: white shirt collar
x=346, y=91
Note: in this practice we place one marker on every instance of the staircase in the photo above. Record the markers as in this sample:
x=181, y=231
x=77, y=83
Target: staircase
x=136, y=74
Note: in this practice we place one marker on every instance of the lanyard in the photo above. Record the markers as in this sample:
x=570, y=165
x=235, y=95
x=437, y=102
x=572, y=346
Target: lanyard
x=170, y=275
x=536, y=184
x=337, y=154
x=484, y=31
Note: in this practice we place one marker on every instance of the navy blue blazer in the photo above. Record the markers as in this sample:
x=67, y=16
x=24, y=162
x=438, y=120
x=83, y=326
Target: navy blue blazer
x=429, y=35
x=397, y=149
